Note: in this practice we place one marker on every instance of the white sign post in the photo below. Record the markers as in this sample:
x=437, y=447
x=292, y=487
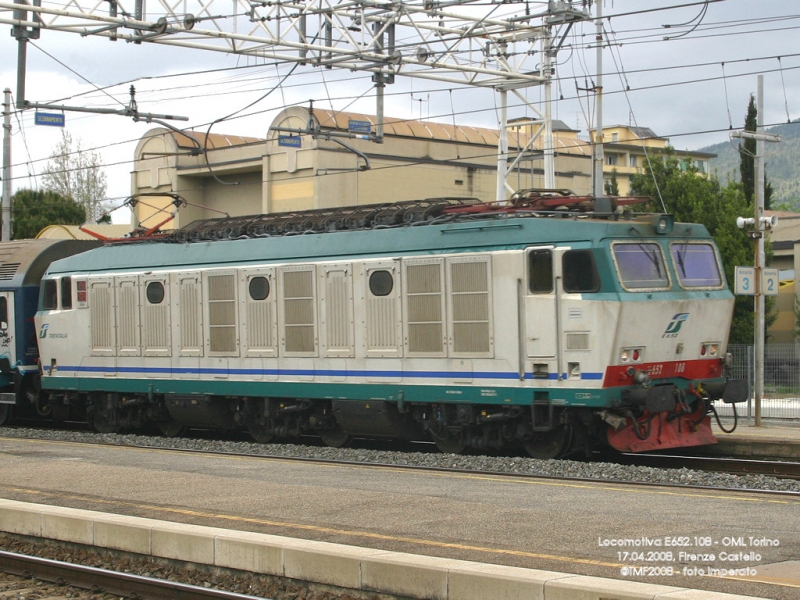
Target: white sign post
x=745, y=284
x=770, y=281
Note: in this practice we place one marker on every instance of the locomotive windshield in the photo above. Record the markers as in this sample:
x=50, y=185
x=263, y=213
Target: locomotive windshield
x=641, y=266
x=696, y=265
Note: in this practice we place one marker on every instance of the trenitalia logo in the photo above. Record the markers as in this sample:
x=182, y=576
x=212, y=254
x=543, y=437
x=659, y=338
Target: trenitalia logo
x=43, y=332
x=675, y=325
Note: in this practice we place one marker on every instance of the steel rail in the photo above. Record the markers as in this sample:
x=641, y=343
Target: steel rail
x=111, y=582
x=733, y=466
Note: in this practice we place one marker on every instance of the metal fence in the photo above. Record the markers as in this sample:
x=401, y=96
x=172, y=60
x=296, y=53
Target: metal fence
x=781, y=398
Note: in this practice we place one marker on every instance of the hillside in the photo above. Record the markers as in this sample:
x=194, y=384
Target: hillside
x=783, y=163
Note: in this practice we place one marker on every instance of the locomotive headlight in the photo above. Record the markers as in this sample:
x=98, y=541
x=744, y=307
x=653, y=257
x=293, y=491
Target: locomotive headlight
x=712, y=349
x=631, y=355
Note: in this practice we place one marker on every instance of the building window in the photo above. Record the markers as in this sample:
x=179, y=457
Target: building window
x=702, y=166
x=633, y=161
x=611, y=160
x=614, y=137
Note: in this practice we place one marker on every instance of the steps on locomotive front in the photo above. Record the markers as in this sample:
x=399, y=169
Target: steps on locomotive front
x=350, y=567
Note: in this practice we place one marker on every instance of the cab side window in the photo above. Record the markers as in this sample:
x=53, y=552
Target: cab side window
x=540, y=271
x=580, y=272
x=66, y=293
x=49, y=294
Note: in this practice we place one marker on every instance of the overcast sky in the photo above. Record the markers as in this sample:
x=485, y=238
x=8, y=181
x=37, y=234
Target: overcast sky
x=691, y=88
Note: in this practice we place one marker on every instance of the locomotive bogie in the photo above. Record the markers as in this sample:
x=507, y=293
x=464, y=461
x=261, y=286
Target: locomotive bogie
x=408, y=333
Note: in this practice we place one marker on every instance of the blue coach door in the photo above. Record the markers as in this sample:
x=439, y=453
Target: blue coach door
x=7, y=349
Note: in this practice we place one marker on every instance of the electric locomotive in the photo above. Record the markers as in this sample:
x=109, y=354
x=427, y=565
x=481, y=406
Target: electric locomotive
x=472, y=325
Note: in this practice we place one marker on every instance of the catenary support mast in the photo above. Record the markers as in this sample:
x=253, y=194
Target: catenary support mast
x=5, y=234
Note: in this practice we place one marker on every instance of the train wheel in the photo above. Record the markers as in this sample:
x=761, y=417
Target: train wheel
x=552, y=444
x=335, y=438
x=450, y=445
x=171, y=428
x=32, y=391
x=6, y=413
x=259, y=431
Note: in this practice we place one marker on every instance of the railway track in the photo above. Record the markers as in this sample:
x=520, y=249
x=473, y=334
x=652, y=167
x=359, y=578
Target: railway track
x=422, y=458
x=101, y=581
x=733, y=466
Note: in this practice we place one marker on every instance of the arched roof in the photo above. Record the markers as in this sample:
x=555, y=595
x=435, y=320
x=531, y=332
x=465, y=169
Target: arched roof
x=214, y=140
x=410, y=128
x=441, y=131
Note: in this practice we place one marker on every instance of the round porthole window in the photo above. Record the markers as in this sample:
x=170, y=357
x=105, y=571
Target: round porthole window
x=381, y=283
x=155, y=292
x=259, y=288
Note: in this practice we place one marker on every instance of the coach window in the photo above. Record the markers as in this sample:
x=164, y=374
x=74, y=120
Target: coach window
x=66, y=293
x=540, y=271
x=155, y=292
x=381, y=283
x=696, y=265
x=3, y=312
x=640, y=266
x=49, y=294
x=258, y=288
x=580, y=272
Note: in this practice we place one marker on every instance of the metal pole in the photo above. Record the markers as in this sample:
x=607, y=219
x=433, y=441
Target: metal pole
x=549, y=155
x=502, y=147
x=760, y=258
x=5, y=232
x=597, y=190
x=379, y=111
x=22, y=54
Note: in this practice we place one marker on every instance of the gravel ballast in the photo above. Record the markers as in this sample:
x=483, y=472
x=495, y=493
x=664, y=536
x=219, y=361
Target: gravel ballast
x=601, y=471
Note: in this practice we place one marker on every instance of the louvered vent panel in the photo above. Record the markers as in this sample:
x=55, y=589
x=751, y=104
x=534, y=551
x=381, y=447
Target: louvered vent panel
x=337, y=301
x=424, y=279
x=127, y=318
x=298, y=307
x=222, y=313
x=424, y=307
x=190, y=315
x=155, y=327
x=470, y=302
x=425, y=337
x=259, y=324
x=102, y=327
x=8, y=270
x=381, y=323
x=577, y=341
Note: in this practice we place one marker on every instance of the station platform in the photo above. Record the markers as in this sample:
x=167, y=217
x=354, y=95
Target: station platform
x=365, y=570
x=773, y=439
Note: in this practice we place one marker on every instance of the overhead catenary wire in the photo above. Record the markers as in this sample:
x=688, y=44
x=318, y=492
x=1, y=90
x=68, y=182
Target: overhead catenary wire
x=450, y=90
